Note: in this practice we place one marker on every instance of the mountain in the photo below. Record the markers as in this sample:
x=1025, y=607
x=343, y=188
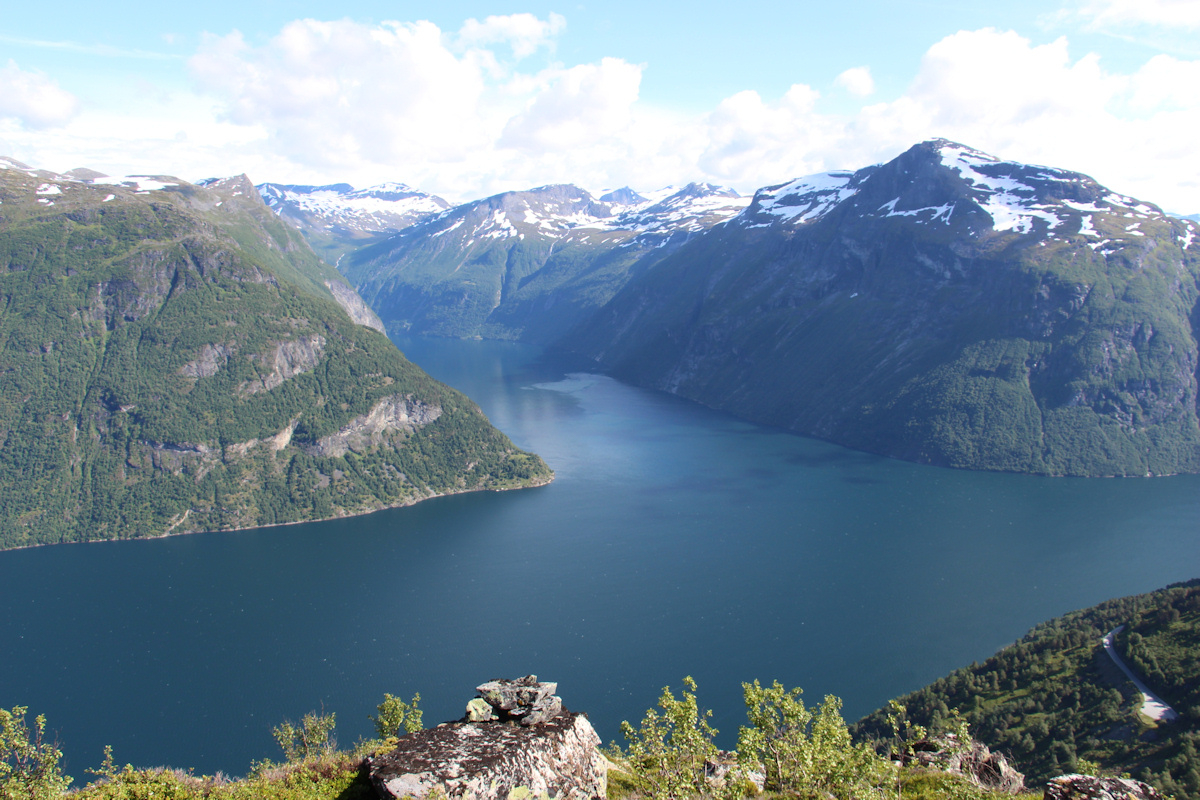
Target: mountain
x=338, y=218
x=527, y=265
x=947, y=307
x=175, y=358
x=1056, y=696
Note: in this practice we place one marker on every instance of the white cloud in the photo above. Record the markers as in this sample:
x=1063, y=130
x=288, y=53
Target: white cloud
x=1159, y=13
x=578, y=107
x=33, y=99
x=525, y=33
x=340, y=93
x=857, y=81
x=1164, y=82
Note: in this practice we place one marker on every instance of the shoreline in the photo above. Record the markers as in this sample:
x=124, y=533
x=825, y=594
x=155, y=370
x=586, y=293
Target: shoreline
x=170, y=535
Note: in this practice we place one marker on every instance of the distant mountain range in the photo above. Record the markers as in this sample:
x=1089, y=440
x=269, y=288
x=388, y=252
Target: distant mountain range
x=528, y=265
x=946, y=307
x=174, y=358
x=338, y=217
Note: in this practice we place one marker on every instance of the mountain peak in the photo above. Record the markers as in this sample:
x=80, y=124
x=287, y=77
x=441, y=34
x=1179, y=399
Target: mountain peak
x=622, y=197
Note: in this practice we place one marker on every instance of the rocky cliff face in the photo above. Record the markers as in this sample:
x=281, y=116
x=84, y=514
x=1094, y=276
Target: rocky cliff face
x=354, y=305
x=394, y=416
x=946, y=307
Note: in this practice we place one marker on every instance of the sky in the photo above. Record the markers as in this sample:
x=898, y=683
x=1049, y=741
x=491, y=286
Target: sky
x=466, y=98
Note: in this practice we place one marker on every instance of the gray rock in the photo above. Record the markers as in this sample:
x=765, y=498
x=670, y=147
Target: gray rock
x=494, y=761
x=1091, y=787
x=973, y=760
x=522, y=699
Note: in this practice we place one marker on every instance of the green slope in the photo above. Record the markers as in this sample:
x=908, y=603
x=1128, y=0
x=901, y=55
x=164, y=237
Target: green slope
x=1055, y=697
x=173, y=361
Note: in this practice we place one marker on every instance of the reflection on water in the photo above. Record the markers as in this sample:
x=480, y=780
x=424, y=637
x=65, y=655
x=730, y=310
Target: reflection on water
x=674, y=541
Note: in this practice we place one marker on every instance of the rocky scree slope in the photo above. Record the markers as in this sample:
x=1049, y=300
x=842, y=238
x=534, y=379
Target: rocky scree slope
x=527, y=265
x=174, y=359
x=946, y=307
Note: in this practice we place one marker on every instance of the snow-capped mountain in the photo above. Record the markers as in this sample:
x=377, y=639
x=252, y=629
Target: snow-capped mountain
x=974, y=194
x=337, y=218
x=947, y=306
x=504, y=255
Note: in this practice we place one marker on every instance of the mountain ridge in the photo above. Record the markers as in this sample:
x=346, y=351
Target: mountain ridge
x=525, y=264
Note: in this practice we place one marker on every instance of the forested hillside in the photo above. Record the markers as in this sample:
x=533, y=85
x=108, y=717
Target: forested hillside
x=1056, y=698
x=173, y=360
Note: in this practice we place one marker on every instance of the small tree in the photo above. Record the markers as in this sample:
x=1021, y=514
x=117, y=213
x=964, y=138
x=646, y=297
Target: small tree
x=313, y=737
x=29, y=767
x=666, y=754
x=393, y=714
x=802, y=753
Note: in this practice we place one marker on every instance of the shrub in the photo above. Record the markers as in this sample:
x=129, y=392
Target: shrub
x=29, y=768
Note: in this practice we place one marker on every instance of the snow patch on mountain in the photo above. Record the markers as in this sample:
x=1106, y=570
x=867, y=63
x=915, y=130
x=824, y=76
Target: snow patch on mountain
x=1011, y=202
x=139, y=184
x=806, y=199
x=376, y=209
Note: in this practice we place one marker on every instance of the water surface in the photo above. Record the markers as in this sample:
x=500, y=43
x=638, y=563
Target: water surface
x=675, y=541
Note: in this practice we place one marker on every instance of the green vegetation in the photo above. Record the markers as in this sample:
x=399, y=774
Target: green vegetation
x=29, y=768
x=313, y=768
x=794, y=753
x=1054, y=702
x=311, y=738
x=802, y=754
x=393, y=714
x=173, y=362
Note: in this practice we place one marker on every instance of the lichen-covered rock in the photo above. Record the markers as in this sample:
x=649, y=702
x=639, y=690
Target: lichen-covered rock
x=525, y=700
x=1091, y=787
x=496, y=761
x=973, y=760
x=478, y=710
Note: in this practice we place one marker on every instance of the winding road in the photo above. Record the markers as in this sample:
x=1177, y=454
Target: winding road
x=1152, y=705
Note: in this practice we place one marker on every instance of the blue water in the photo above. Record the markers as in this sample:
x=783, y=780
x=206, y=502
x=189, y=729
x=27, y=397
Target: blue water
x=675, y=541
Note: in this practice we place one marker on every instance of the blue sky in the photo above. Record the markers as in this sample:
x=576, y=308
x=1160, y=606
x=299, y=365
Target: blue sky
x=468, y=98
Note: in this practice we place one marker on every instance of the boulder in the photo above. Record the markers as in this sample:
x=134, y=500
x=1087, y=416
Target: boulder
x=496, y=761
x=1091, y=787
x=973, y=760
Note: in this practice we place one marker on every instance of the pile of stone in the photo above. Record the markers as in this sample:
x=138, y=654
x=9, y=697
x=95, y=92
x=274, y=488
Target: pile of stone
x=524, y=701
x=515, y=741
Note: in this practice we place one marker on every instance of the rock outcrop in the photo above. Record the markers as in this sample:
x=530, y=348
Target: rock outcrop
x=519, y=749
x=397, y=414
x=288, y=360
x=973, y=760
x=354, y=306
x=1091, y=787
